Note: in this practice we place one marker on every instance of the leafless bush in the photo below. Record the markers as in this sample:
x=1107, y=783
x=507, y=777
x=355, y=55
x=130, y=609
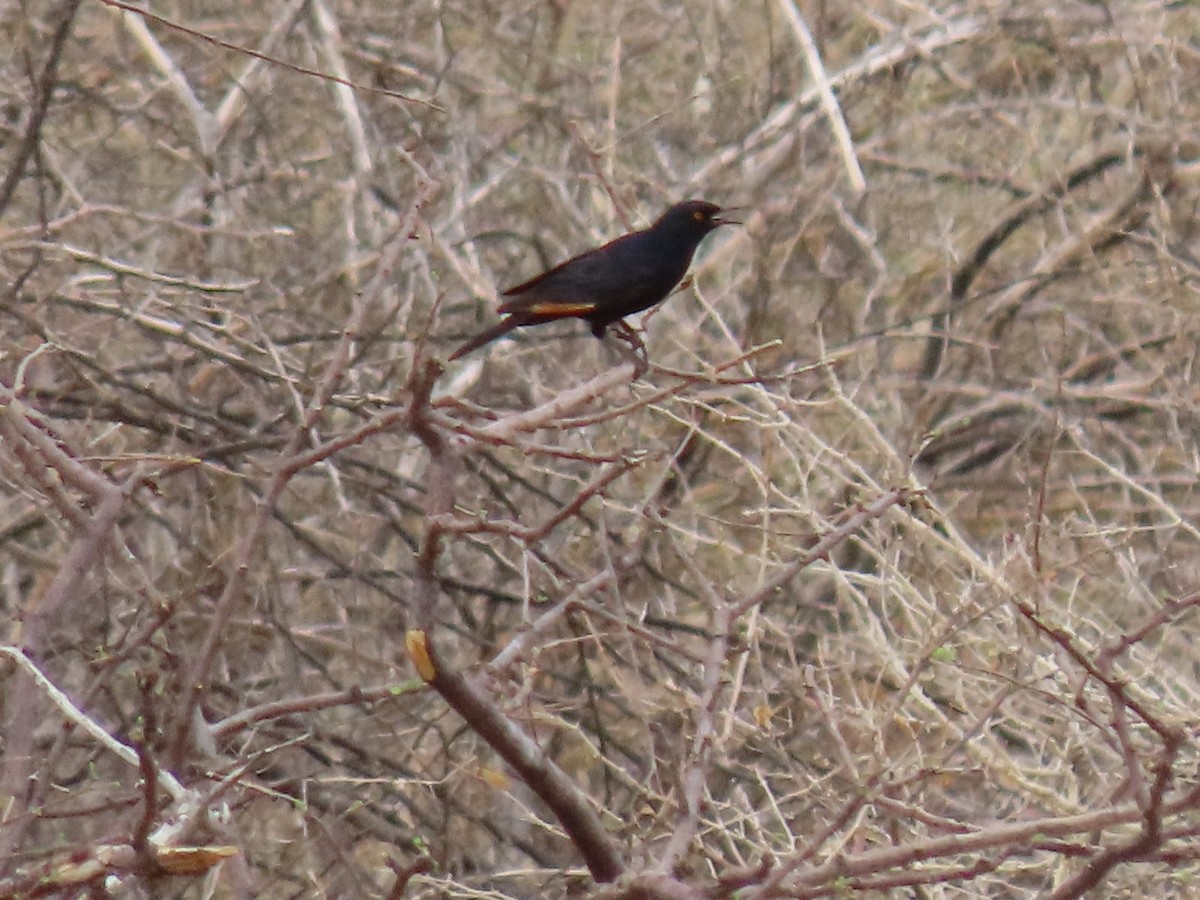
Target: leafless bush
x=882, y=577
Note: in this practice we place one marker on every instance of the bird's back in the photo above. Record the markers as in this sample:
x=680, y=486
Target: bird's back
x=623, y=277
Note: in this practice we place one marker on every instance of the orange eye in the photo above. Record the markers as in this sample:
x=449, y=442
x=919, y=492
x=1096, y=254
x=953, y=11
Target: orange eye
x=698, y=216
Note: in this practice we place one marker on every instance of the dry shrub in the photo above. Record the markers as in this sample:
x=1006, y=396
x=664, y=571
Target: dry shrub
x=882, y=577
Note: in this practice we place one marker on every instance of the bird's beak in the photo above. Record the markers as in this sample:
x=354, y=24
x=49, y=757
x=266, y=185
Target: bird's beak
x=722, y=217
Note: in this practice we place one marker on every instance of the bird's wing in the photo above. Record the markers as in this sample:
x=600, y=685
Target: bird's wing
x=577, y=286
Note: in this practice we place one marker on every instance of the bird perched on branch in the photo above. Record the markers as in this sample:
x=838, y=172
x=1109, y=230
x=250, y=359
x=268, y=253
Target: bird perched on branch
x=604, y=285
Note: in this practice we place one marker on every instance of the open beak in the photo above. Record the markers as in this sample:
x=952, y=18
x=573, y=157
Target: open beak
x=722, y=217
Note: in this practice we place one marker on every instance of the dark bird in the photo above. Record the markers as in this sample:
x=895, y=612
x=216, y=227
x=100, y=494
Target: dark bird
x=604, y=285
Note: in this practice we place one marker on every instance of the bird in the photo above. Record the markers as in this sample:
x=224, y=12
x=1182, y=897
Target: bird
x=604, y=285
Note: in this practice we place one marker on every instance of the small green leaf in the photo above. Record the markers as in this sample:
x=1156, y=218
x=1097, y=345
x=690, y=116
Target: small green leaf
x=944, y=654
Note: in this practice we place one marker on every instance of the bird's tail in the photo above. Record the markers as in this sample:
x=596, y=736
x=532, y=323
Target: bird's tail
x=499, y=329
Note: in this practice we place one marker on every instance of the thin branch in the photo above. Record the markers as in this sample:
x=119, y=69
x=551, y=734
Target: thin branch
x=72, y=713
x=829, y=102
x=466, y=694
x=168, y=23
x=47, y=82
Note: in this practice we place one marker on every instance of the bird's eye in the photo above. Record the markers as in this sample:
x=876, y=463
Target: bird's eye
x=698, y=215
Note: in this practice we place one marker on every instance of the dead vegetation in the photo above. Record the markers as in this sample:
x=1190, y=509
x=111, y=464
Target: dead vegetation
x=882, y=579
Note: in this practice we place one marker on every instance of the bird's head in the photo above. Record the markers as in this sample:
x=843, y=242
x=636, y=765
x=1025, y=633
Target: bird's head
x=696, y=215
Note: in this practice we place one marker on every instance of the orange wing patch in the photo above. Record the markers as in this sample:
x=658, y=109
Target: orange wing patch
x=560, y=309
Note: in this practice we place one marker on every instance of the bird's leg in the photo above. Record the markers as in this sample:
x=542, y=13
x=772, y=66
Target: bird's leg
x=637, y=350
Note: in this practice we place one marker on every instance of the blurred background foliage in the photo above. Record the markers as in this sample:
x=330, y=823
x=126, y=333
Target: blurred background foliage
x=1003, y=323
